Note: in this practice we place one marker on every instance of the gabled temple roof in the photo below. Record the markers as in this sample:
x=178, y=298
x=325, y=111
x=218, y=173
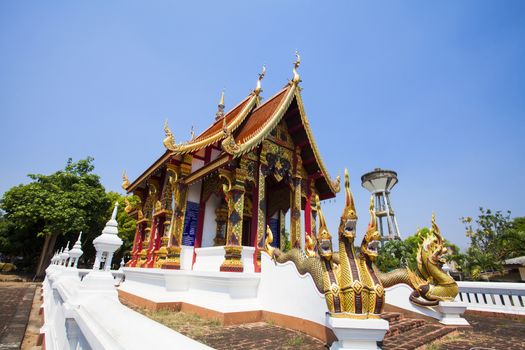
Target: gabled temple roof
x=246, y=125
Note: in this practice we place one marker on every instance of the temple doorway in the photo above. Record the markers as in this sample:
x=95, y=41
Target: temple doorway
x=278, y=196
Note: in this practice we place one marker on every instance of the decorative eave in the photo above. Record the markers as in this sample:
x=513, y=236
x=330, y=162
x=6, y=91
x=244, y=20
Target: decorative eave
x=335, y=185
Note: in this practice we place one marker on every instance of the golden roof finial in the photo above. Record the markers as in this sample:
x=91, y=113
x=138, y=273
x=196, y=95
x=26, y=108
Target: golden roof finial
x=261, y=76
x=169, y=141
x=221, y=102
x=192, y=133
x=296, y=78
x=220, y=109
x=125, y=180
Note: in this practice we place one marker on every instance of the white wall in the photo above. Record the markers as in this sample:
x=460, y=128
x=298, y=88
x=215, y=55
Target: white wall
x=194, y=192
x=214, y=154
x=210, y=226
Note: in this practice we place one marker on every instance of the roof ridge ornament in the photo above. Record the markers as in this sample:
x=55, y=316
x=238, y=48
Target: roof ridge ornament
x=296, y=78
x=261, y=76
x=169, y=141
x=220, y=109
x=125, y=180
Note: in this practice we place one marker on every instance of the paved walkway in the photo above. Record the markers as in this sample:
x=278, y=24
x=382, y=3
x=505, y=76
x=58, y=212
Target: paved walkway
x=16, y=299
x=487, y=333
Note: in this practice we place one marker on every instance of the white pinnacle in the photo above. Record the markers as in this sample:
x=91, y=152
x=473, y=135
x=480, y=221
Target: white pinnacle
x=76, y=252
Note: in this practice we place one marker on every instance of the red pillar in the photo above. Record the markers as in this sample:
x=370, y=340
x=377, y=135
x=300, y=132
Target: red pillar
x=137, y=242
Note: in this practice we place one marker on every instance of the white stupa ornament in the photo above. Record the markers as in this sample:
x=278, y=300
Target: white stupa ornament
x=76, y=252
x=107, y=243
x=64, y=255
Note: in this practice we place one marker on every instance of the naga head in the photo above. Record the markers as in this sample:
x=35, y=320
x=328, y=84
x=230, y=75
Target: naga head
x=348, y=222
x=433, y=244
x=324, y=239
x=372, y=236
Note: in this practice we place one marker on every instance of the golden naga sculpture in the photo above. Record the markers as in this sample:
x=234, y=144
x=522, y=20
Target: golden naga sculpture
x=353, y=286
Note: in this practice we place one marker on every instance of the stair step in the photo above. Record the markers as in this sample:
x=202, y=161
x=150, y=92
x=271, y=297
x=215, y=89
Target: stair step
x=416, y=337
x=404, y=326
x=391, y=316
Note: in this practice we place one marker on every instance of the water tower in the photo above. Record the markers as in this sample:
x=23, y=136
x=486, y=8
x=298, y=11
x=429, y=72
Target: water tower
x=380, y=182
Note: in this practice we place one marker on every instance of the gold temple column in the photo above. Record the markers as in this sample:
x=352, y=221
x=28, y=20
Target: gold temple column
x=234, y=191
x=295, y=215
x=261, y=213
x=164, y=214
x=282, y=230
x=146, y=221
x=180, y=193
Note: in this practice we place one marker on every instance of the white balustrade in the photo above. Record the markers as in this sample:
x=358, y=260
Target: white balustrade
x=88, y=315
x=500, y=297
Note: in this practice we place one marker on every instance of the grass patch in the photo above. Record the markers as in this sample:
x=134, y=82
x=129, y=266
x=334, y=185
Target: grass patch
x=295, y=341
x=187, y=324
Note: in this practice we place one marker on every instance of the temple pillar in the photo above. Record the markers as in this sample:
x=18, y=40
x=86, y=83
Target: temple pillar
x=179, y=210
x=282, y=230
x=308, y=211
x=148, y=222
x=295, y=215
x=163, y=214
x=261, y=216
x=234, y=192
x=137, y=246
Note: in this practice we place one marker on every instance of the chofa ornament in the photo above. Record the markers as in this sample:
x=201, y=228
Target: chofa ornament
x=353, y=286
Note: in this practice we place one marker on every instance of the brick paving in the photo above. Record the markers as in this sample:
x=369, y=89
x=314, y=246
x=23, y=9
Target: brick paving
x=487, y=333
x=407, y=331
x=15, y=305
x=259, y=335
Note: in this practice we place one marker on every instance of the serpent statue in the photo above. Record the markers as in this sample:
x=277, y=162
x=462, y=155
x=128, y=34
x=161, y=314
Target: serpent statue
x=353, y=286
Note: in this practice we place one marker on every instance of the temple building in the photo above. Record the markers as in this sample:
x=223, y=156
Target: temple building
x=205, y=205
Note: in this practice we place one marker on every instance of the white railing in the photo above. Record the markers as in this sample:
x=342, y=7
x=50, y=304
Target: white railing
x=499, y=297
x=82, y=311
x=118, y=275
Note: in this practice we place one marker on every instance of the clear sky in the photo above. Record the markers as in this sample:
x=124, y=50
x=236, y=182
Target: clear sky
x=434, y=91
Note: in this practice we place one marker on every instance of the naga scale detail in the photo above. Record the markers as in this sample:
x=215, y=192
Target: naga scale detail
x=353, y=286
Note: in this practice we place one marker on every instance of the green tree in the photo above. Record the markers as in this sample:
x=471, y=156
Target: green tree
x=51, y=207
x=494, y=237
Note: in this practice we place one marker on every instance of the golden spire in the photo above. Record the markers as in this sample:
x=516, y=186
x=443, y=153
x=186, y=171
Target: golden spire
x=296, y=78
x=192, y=133
x=261, y=76
x=220, y=109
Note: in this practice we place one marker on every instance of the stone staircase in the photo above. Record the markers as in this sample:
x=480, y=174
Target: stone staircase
x=411, y=333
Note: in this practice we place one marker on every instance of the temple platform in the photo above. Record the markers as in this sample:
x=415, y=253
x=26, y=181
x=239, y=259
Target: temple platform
x=278, y=294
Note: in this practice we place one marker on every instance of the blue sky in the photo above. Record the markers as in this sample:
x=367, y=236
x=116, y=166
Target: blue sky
x=435, y=91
